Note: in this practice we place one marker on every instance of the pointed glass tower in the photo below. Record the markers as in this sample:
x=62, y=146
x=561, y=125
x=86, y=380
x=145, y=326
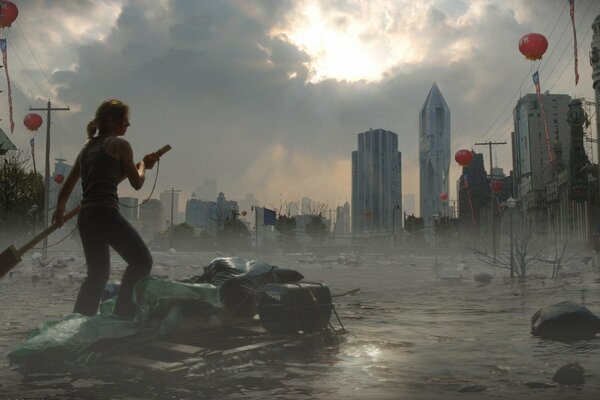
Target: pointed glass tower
x=434, y=155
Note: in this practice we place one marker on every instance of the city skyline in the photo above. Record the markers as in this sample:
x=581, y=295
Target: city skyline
x=268, y=104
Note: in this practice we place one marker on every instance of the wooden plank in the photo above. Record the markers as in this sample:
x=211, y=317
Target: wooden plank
x=251, y=347
x=151, y=365
x=178, y=348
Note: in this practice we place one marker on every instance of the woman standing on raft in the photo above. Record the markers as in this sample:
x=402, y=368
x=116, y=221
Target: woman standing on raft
x=104, y=161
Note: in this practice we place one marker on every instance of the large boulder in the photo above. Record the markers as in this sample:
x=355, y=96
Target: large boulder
x=566, y=320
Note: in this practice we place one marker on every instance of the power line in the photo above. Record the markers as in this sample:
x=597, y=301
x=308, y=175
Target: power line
x=510, y=75
x=512, y=99
x=34, y=57
x=13, y=50
x=550, y=87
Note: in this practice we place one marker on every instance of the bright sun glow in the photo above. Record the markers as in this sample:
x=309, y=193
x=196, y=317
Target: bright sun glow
x=347, y=47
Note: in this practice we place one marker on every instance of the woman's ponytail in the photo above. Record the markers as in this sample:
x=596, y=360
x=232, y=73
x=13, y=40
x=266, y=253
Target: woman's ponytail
x=92, y=127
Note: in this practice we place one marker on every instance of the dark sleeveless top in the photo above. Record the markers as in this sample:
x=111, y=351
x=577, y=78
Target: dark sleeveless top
x=100, y=174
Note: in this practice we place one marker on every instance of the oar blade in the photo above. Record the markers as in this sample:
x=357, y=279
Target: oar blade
x=9, y=259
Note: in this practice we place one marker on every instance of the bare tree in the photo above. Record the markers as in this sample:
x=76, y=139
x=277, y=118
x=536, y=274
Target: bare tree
x=526, y=251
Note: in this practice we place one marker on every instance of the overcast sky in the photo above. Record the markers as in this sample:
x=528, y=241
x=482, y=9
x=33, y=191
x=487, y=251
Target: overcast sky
x=268, y=96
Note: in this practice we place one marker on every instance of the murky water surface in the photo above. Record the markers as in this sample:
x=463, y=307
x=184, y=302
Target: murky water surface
x=416, y=332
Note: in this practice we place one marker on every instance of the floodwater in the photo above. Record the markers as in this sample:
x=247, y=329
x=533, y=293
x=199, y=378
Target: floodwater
x=416, y=331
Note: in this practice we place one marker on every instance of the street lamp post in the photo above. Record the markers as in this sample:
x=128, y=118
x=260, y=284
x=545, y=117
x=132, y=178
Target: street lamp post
x=510, y=202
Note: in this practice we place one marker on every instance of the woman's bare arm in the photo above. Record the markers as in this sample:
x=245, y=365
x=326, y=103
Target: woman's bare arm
x=135, y=173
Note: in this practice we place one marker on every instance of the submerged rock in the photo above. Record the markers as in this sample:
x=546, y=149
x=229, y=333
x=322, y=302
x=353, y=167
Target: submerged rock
x=566, y=320
x=569, y=374
x=472, y=389
x=482, y=277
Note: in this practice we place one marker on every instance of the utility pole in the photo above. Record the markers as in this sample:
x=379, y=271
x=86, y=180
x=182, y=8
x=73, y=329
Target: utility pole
x=493, y=197
x=48, y=110
x=255, y=209
x=172, y=212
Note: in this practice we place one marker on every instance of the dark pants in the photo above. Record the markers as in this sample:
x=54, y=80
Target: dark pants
x=100, y=228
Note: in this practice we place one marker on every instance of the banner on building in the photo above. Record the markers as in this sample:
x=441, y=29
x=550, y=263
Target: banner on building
x=32, y=144
x=538, y=91
x=572, y=7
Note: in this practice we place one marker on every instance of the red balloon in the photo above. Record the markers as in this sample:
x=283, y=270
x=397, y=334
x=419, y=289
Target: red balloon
x=59, y=178
x=533, y=46
x=32, y=121
x=463, y=157
x=444, y=196
x=8, y=13
x=496, y=186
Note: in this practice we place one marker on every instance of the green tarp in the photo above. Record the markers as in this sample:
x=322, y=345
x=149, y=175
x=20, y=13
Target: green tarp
x=159, y=311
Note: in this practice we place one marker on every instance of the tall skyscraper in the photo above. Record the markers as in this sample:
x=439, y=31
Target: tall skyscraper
x=306, y=204
x=530, y=145
x=434, y=155
x=409, y=204
x=342, y=219
x=376, y=182
x=165, y=198
x=151, y=217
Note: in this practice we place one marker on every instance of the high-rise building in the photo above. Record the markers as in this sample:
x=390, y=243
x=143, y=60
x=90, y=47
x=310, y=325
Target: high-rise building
x=128, y=207
x=434, y=155
x=151, y=216
x=532, y=162
x=198, y=213
x=409, y=204
x=376, y=182
x=342, y=219
x=207, y=191
x=170, y=198
x=306, y=205
x=293, y=208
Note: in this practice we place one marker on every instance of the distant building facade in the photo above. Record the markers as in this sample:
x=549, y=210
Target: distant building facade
x=434, y=155
x=409, y=204
x=376, y=182
x=306, y=204
x=534, y=154
x=198, y=212
x=170, y=199
x=342, y=219
x=151, y=217
x=128, y=207
x=209, y=215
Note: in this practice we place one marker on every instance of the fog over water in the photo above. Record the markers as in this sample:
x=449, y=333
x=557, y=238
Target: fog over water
x=416, y=331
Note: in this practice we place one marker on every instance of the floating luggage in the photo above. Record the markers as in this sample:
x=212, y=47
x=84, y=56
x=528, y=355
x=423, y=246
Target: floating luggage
x=293, y=307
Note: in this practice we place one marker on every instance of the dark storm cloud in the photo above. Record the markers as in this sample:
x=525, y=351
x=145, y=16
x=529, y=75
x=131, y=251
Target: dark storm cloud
x=211, y=78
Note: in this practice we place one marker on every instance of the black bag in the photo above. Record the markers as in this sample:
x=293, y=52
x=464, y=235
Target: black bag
x=293, y=307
